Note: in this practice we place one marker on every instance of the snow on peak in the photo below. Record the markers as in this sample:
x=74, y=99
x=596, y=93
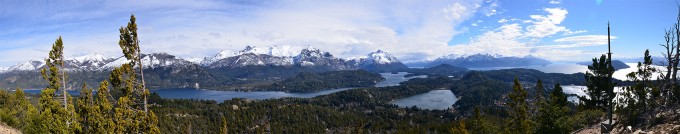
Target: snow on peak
x=89, y=57
x=3, y=69
x=277, y=51
x=473, y=56
x=253, y=50
x=224, y=54
x=27, y=66
x=381, y=57
x=194, y=60
x=311, y=52
x=283, y=51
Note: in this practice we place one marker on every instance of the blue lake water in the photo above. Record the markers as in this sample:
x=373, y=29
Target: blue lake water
x=395, y=79
x=433, y=100
x=220, y=96
x=37, y=91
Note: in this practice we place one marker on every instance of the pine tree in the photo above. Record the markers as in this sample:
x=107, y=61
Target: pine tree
x=539, y=92
x=19, y=111
x=101, y=119
x=127, y=117
x=85, y=109
x=599, y=89
x=519, y=121
x=639, y=98
x=459, y=128
x=553, y=113
x=480, y=125
x=224, y=129
x=538, y=100
x=129, y=43
x=63, y=115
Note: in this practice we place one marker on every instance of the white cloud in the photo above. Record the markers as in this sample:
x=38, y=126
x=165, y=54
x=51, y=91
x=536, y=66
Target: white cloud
x=503, y=40
x=203, y=28
x=581, y=41
x=491, y=9
x=502, y=20
x=492, y=12
x=555, y=1
x=455, y=11
x=524, y=38
x=569, y=32
x=546, y=25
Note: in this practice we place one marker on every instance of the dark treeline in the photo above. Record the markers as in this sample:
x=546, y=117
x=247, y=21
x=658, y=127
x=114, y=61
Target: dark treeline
x=313, y=82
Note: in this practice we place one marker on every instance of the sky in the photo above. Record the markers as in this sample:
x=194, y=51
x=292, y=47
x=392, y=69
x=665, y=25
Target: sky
x=412, y=30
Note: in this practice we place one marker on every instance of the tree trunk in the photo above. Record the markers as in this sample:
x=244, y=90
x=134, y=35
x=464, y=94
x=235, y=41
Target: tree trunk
x=141, y=73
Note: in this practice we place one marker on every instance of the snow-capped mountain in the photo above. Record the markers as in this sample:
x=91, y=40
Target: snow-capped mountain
x=93, y=61
x=152, y=60
x=27, y=66
x=3, y=69
x=380, y=57
x=378, y=61
x=274, y=51
x=315, y=57
x=276, y=56
x=250, y=59
x=483, y=60
x=286, y=56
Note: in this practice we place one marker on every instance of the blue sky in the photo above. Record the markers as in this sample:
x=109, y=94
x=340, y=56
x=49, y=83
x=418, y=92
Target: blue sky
x=558, y=30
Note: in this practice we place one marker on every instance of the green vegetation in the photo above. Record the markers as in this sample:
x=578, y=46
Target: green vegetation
x=313, y=82
x=597, y=81
x=443, y=70
x=519, y=121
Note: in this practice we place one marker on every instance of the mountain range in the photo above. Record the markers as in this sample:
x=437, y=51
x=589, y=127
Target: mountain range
x=481, y=60
x=245, y=69
x=250, y=56
x=225, y=69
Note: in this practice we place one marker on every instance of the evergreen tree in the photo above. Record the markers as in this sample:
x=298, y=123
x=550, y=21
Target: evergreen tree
x=479, y=124
x=519, y=120
x=62, y=117
x=553, y=118
x=126, y=115
x=101, y=119
x=639, y=98
x=224, y=129
x=539, y=93
x=129, y=43
x=459, y=128
x=598, y=80
x=18, y=111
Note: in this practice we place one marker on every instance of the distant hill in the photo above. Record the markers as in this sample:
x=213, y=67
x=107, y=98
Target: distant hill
x=443, y=70
x=313, y=82
x=482, y=60
x=617, y=64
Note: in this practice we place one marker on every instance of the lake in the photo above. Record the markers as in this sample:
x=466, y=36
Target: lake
x=395, y=79
x=220, y=96
x=433, y=100
x=580, y=91
x=570, y=68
